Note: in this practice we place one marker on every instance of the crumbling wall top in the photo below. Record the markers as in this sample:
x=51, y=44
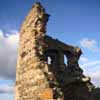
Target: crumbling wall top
x=36, y=19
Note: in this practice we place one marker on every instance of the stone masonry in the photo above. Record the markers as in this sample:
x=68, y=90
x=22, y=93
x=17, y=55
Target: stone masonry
x=41, y=73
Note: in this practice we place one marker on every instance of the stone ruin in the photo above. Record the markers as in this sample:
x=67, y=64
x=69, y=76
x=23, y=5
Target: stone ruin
x=41, y=72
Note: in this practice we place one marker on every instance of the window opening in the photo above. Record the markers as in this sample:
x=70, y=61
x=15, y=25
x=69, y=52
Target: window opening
x=65, y=59
x=49, y=60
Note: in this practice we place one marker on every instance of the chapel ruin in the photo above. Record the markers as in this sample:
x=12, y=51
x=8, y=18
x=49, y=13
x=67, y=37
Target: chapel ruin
x=41, y=72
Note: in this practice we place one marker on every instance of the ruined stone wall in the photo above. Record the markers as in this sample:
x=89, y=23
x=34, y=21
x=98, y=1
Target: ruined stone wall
x=31, y=79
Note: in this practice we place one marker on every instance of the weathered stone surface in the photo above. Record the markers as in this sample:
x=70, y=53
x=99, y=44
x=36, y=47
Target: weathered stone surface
x=31, y=81
x=41, y=72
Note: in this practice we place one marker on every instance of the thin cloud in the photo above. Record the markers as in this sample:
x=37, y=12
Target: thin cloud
x=90, y=44
x=95, y=77
x=83, y=59
x=92, y=69
x=92, y=63
x=5, y=88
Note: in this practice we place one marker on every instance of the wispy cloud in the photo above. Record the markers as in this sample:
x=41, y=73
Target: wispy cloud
x=8, y=55
x=95, y=77
x=4, y=88
x=91, y=69
x=83, y=59
x=92, y=63
x=90, y=44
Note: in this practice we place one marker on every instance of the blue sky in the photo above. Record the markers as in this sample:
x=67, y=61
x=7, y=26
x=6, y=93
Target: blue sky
x=75, y=22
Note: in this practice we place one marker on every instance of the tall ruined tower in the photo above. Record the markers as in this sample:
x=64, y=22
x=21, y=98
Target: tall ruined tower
x=41, y=72
x=31, y=82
